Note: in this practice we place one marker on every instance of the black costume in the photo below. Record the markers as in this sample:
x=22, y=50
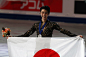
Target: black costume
x=47, y=31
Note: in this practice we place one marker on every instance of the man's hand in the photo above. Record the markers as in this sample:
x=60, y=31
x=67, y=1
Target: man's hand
x=80, y=36
x=9, y=36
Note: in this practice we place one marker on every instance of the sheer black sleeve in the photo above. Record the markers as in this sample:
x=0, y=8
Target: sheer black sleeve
x=28, y=33
x=64, y=31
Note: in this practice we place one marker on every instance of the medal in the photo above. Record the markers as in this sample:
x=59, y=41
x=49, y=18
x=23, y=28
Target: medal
x=40, y=30
x=39, y=35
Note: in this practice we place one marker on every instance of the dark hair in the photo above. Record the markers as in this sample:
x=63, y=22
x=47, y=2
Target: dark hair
x=46, y=8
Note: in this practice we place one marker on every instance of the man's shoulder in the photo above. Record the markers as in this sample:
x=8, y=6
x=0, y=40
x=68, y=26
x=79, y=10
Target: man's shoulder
x=53, y=22
x=50, y=22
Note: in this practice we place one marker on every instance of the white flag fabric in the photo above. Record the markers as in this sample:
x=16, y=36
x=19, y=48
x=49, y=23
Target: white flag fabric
x=29, y=46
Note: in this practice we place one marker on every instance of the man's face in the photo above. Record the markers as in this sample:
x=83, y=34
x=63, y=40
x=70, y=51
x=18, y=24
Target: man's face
x=44, y=14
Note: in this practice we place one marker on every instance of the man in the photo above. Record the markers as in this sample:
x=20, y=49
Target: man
x=45, y=28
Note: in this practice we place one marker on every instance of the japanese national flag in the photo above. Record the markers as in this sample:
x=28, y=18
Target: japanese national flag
x=46, y=47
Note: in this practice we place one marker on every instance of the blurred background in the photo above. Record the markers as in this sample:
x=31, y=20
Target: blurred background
x=20, y=15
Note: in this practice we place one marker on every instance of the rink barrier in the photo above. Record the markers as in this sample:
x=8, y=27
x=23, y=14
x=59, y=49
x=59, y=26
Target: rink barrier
x=38, y=17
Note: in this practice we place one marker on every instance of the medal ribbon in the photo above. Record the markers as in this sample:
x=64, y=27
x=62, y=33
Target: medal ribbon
x=40, y=30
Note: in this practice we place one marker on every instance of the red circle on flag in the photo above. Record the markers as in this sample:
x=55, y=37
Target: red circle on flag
x=46, y=53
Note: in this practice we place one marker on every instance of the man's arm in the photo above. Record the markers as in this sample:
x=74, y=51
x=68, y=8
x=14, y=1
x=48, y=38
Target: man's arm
x=64, y=31
x=28, y=33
